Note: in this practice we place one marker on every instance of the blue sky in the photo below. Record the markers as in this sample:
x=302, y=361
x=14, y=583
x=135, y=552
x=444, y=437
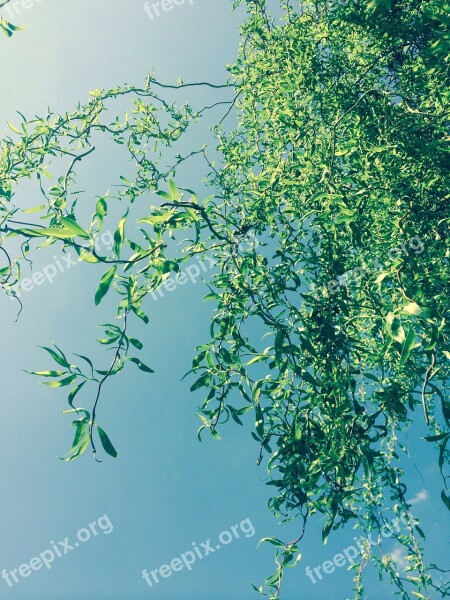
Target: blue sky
x=166, y=491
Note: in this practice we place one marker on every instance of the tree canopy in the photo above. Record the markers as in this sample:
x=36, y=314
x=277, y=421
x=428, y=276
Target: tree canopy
x=328, y=224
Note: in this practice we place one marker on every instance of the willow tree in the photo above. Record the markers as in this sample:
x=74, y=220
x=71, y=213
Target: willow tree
x=338, y=167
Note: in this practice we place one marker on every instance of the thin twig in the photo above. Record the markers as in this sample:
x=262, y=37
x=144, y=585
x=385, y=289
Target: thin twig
x=105, y=377
x=424, y=388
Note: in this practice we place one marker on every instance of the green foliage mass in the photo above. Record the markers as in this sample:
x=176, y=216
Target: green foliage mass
x=329, y=226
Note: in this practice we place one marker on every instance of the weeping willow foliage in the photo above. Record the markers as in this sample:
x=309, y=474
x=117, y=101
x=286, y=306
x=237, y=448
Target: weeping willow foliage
x=328, y=222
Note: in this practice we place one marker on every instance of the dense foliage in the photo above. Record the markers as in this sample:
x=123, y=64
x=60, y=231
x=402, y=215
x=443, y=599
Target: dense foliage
x=328, y=222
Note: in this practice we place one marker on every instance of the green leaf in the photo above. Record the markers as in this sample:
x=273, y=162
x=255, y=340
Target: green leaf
x=105, y=284
x=63, y=233
x=164, y=195
x=309, y=378
x=119, y=235
x=436, y=438
x=61, y=382
x=445, y=499
x=47, y=373
x=140, y=364
x=259, y=424
x=412, y=309
x=80, y=432
x=34, y=209
x=74, y=392
x=257, y=358
x=101, y=208
x=60, y=359
x=211, y=296
x=420, y=530
x=73, y=226
x=81, y=448
x=381, y=277
x=157, y=219
x=106, y=442
x=139, y=313
x=88, y=360
x=216, y=435
x=279, y=339
x=173, y=189
x=87, y=256
x=274, y=541
x=326, y=530
x=307, y=345
x=202, y=381
x=12, y=27
x=136, y=343
x=394, y=329
x=71, y=411
x=10, y=125
x=408, y=346
x=5, y=30
x=371, y=377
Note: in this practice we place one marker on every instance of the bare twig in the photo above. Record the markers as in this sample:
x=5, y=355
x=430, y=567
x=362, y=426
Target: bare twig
x=424, y=388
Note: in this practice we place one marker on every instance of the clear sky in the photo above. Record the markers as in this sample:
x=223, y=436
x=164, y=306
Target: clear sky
x=166, y=491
